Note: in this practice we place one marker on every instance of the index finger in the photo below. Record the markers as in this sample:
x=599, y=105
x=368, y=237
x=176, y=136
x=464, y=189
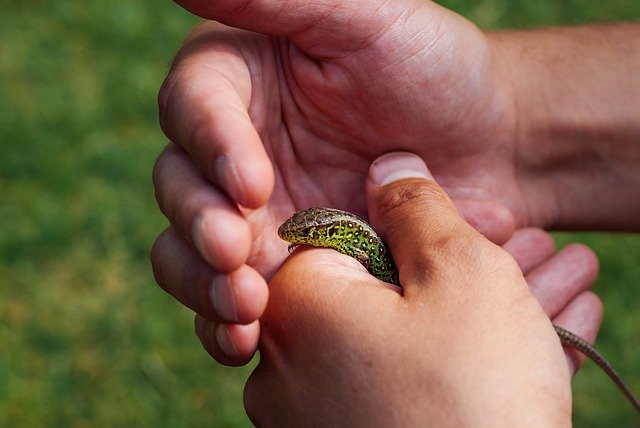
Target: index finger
x=204, y=105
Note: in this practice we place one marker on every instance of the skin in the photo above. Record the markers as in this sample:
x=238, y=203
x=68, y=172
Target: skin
x=280, y=118
x=465, y=340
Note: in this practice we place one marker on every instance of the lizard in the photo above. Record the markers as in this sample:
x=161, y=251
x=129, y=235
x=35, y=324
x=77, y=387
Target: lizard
x=351, y=235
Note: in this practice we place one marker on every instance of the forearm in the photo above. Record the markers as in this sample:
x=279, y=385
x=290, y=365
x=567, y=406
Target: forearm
x=577, y=99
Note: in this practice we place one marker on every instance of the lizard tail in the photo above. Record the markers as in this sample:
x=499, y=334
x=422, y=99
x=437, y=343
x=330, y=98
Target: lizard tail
x=574, y=341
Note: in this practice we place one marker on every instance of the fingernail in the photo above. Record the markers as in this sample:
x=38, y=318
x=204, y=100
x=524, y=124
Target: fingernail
x=223, y=298
x=227, y=176
x=397, y=166
x=224, y=341
x=198, y=231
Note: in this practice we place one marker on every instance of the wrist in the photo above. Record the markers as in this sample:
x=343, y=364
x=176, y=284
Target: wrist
x=577, y=145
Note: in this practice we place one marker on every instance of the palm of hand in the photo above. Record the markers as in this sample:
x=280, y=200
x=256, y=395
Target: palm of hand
x=323, y=122
x=324, y=105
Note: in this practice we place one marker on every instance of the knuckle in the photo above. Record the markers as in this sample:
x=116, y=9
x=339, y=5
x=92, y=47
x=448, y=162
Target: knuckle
x=494, y=261
x=157, y=257
x=157, y=172
x=409, y=192
x=164, y=93
x=179, y=272
x=162, y=177
x=205, y=331
x=479, y=258
x=171, y=84
x=165, y=96
x=181, y=89
x=157, y=177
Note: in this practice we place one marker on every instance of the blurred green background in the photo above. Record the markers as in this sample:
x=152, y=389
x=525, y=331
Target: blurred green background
x=86, y=338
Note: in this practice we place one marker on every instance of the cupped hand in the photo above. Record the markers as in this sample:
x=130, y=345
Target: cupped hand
x=290, y=114
x=465, y=340
x=293, y=117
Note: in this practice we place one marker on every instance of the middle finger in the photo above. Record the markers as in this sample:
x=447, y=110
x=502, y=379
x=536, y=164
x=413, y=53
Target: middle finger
x=238, y=297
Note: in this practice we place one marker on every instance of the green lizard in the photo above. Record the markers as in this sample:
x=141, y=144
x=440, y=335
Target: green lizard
x=350, y=235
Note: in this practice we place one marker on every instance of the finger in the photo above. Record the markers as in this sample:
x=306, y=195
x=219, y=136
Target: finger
x=491, y=219
x=530, y=247
x=229, y=344
x=421, y=225
x=199, y=212
x=237, y=297
x=204, y=105
x=342, y=25
x=582, y=316
x=557, y=281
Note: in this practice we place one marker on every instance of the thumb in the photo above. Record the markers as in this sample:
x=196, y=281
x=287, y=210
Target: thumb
x=313, y=26
x=420, y=224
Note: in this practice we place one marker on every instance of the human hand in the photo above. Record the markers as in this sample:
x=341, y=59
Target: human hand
x=340, y=86
x=246, y=106
x=232, y=300
x=464, y=341
x=321, y=102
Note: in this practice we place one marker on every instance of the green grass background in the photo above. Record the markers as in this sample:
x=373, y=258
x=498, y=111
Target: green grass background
x=86, y=338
